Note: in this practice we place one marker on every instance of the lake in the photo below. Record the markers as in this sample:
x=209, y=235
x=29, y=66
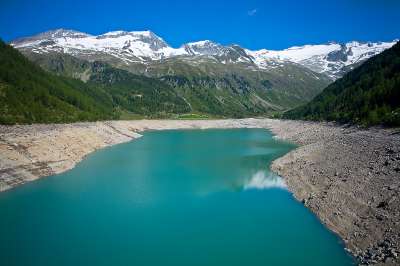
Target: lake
x=176, y=197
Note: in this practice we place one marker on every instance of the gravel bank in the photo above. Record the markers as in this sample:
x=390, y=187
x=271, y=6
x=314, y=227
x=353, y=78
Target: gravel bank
x=350, y=178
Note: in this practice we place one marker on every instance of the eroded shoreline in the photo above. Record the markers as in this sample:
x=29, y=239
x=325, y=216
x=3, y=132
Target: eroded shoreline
x=348, y=177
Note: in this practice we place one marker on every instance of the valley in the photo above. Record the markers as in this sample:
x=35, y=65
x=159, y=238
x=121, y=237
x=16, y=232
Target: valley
x=329, y=109
x=138, y=75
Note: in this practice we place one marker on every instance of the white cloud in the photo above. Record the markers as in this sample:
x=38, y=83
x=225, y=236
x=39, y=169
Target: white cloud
x=252, y=12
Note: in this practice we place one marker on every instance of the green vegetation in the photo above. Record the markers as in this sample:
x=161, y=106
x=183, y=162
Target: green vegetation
x=28, y=94
x=137, y=94
x=368, y=95
x=193, y=116
x=237, y=90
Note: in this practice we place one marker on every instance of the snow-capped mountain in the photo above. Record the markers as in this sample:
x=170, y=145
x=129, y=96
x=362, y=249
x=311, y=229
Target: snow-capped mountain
x=53, y=34
x=225, y=54
x=333, y=59
x=135, y=46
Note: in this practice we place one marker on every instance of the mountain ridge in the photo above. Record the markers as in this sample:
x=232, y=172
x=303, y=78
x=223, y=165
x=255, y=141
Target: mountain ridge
x=332, y=59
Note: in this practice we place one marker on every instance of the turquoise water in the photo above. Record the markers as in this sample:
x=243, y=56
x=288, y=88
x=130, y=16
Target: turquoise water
x=190, y=197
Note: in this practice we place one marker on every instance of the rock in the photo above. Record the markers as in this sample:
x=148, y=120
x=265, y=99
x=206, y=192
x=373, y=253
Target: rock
x=389, y=151
x=382, y=204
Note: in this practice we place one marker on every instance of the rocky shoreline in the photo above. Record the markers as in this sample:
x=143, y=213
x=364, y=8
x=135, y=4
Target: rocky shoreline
x=28, y=152
x=349, y=177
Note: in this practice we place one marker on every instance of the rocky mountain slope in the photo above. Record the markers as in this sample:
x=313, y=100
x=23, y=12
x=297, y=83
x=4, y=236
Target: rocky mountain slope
x=127, y=48
x=208, y=87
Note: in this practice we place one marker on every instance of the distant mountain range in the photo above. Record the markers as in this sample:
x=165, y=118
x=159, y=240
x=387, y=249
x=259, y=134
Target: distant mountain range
x=74, y=89
x=210, y=78
x=122, y=48
x=124, y=75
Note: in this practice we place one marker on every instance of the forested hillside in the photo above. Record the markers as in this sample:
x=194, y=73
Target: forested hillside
x=368, y=95
x=206, y=86
x=29, y=94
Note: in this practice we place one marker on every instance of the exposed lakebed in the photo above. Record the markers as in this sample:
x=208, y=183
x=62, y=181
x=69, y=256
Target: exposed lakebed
x=178, y=197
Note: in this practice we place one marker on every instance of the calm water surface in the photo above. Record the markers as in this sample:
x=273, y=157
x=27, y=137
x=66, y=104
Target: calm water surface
x=187, y=197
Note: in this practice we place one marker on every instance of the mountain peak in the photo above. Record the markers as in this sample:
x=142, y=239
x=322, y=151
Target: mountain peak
x=57, y=33
x=117, y=33
x=205, y=47
x=114, y=33
x=200, y=43
x=50, y=34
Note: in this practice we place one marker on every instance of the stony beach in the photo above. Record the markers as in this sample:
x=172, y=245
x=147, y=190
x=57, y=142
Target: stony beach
x=349, y=177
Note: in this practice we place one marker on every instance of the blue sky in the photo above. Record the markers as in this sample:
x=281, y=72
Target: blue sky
x=253, y=24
